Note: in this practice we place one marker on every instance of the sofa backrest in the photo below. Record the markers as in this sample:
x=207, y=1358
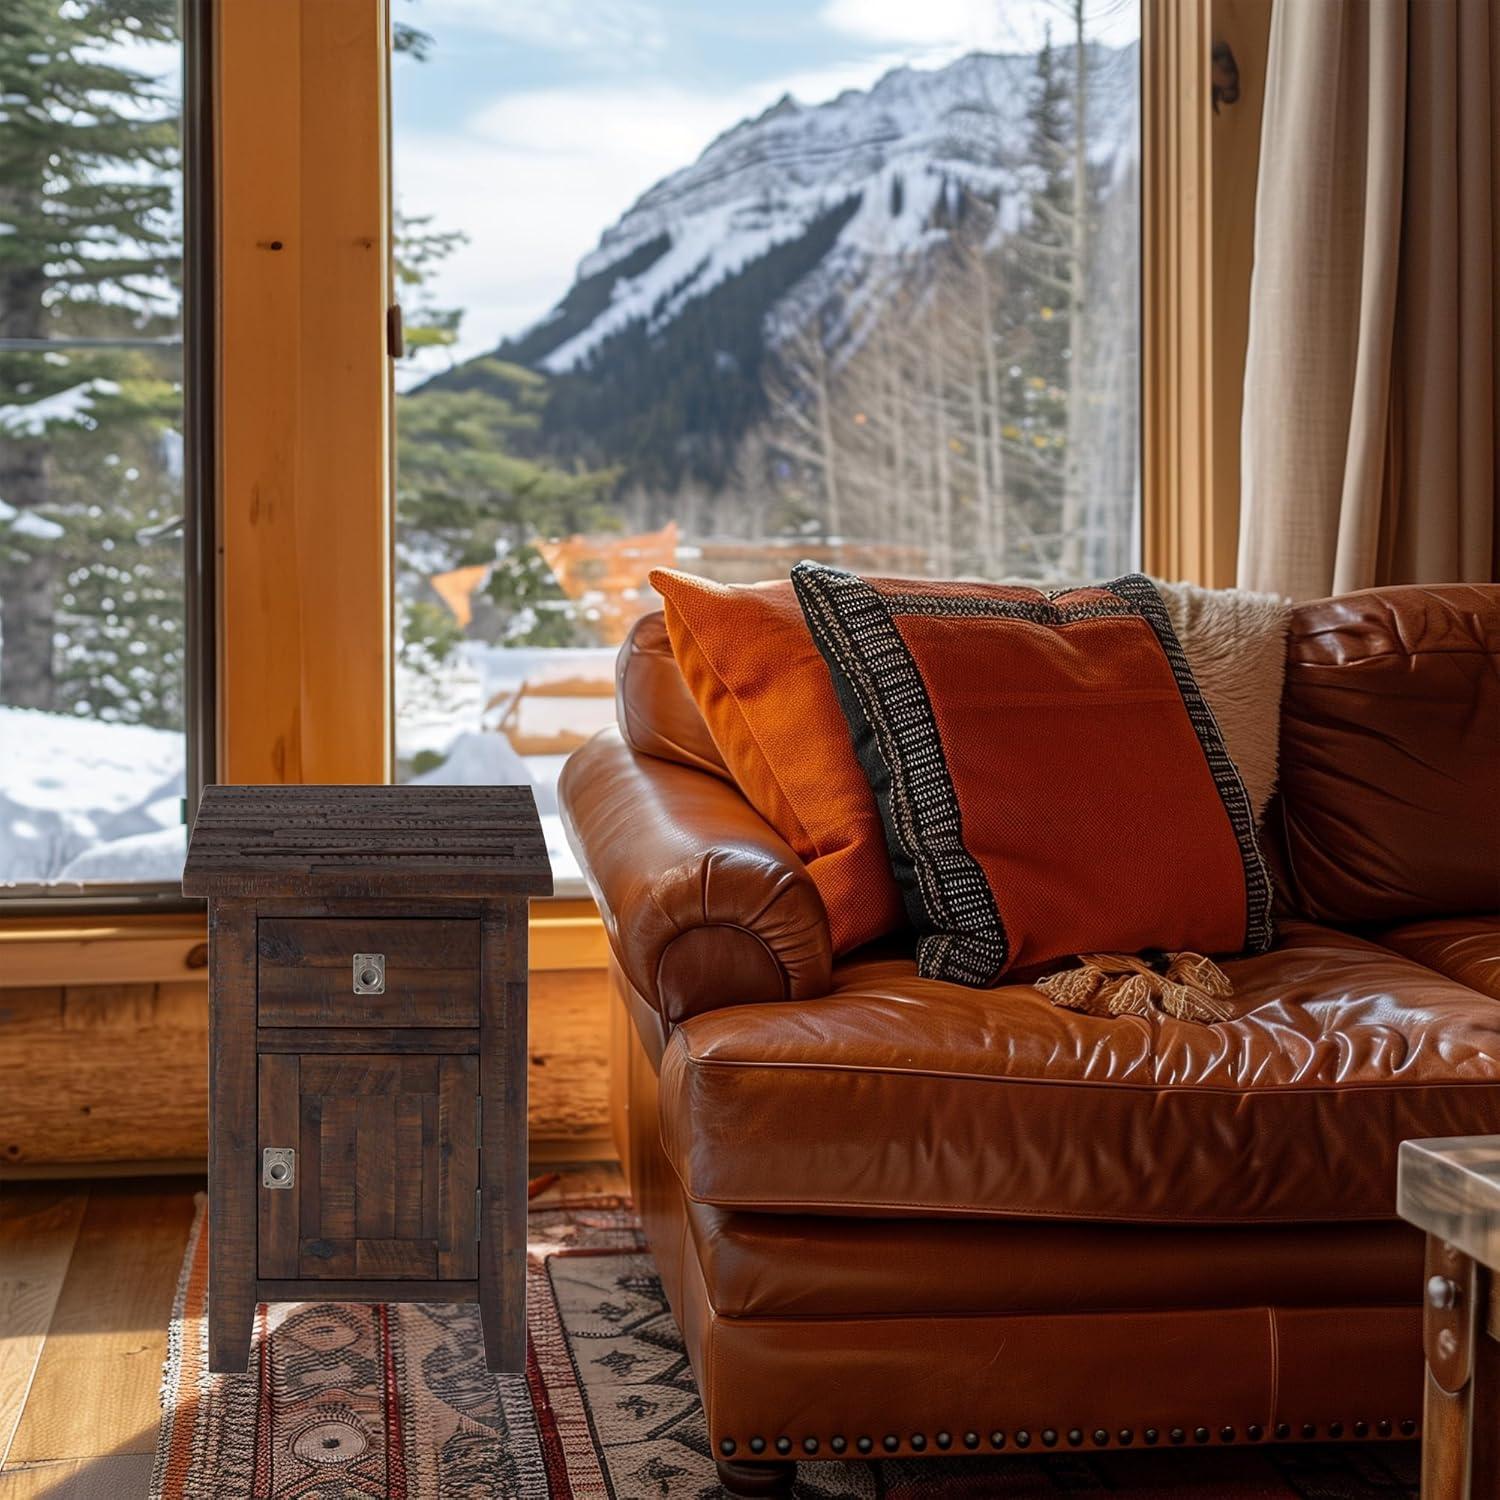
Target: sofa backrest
x=1389, y=804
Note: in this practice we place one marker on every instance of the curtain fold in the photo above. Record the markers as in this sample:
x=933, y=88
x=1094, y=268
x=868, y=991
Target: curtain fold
x=1370, y=412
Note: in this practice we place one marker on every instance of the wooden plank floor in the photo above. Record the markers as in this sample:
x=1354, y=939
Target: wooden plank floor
x=87, y=1273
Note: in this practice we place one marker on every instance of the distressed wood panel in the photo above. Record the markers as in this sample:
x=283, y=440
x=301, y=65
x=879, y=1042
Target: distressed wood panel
x=387, y=1167
x=307, y=972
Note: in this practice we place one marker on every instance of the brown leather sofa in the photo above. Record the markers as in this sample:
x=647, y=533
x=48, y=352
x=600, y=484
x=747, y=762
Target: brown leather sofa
x=898, y=1217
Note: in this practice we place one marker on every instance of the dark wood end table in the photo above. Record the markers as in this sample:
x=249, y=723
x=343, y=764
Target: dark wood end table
x=367, y=1049
x=1451, y=1189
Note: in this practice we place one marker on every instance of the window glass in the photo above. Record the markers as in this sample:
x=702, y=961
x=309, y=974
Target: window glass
x=721, y=287
x=92, y=747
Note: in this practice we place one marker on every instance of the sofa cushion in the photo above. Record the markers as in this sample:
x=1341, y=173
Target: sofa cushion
x=764, y=692
x=1050, y=777
x=1390, y=733
x=1464, y=948
x=901, y=1095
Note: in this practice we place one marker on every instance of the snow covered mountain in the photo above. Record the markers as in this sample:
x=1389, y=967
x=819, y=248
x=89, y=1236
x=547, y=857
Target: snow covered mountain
x=896, y=149
x=803, y=216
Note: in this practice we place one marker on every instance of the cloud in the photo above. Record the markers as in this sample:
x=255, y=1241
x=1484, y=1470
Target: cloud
x=617, y=30
x=954, y=26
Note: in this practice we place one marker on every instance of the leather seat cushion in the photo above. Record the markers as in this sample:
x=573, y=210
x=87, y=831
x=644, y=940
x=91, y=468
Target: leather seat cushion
x=802, y=1265
x=1464, y=948
x=896, y=1095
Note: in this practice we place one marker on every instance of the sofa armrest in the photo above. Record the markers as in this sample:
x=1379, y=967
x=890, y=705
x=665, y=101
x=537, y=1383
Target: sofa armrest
x=704, y=903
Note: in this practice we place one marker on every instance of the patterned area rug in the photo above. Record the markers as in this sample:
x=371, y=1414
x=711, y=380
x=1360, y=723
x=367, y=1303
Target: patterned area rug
x=394, y=1402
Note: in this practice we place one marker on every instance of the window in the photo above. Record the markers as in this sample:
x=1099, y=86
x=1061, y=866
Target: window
x=93, y=687
x=719, y=287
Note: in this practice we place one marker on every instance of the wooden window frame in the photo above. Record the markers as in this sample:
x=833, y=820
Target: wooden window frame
x=302, y=451
x=1200, y=157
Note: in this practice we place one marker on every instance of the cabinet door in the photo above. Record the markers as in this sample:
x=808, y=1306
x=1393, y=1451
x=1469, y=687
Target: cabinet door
x=386, y=1167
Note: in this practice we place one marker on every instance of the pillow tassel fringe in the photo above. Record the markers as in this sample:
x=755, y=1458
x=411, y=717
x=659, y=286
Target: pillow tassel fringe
x=1193, y=988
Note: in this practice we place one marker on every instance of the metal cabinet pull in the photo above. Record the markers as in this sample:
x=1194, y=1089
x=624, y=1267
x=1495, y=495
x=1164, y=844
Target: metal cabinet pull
x=369, y=973
x=278, y=1167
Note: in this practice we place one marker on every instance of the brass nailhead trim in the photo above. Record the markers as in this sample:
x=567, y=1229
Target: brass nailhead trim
x=783, y=1445
x=1361, y=1428
x=1226, y=1434
x=1049, y=1436
x=1283, y=1429
x=1127, y=1437
x=1335, y=1429
x=1383, y=1427
x=1023, y=1439
x=1309, y=1430
x=727, y=1447
x=997, y=1439
x=1408, y=1427
x=809, y=1445
x=918, y=1442
x=1177, y=1434
x=890, y=1442
x=945, y=1440
x=1075, y=1436
x=971, y=1440
x=838, y=1444
x=1101, y=1437
x=864, y=1445
x=1150, y=1435
x=1200, y=1434
x=757, y=1445
x=1254, y=1433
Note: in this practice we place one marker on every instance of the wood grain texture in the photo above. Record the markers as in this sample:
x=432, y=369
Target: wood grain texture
x=279, y=1219
x=458, y=1168
x=304, y=283
x=95, y=1388
x=353, y=842
x=307, y=972
x=502, y=1061
x=115, y=1476
x=143, y=948
x=233, y=1160
x=569, y=1056
x=38, y=1229
x=111, y=1073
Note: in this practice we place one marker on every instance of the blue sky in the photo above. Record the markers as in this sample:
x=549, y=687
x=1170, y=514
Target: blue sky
x=535, y=123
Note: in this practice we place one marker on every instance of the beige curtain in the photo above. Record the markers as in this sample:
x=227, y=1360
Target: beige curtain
x=1371, y=374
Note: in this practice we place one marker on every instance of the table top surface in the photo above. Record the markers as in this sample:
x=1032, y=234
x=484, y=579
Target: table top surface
x=347, y=842
x=1450, y=1187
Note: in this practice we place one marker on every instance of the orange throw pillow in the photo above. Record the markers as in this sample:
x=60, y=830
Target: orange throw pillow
x=751, y=666
x=1048, y=774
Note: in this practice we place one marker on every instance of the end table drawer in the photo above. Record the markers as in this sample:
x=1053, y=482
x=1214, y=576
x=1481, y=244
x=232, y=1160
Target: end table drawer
x=421, y=972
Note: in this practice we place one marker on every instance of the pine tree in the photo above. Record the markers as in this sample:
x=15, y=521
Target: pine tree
x=90, y=612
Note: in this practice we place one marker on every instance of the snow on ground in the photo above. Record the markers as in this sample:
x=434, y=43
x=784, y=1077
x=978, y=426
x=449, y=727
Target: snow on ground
x=455, y=711
x=85, y=800
x=82, y=800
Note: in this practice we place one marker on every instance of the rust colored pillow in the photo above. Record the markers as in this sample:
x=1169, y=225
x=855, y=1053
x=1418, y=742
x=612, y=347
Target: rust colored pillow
x=1049, y=777
x=751, y=666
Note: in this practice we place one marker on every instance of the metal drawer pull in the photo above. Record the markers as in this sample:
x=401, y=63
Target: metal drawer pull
x=278, y=1167
x=369, y=973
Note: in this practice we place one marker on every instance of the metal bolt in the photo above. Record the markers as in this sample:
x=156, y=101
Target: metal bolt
x=1442, y=1293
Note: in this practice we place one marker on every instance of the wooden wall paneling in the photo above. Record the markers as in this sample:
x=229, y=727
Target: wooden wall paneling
x=96, y=1074
x=113, y=950
x=304, y=397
